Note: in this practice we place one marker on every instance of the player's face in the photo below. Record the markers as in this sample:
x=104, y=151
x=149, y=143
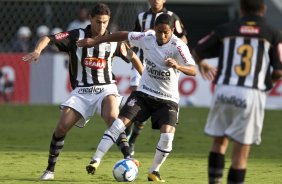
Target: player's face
x=157, y=5
x=163, y=33
x=99, y=24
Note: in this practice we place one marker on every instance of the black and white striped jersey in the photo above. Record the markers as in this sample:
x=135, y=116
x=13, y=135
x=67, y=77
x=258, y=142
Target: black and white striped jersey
x=88, y=66
x=248, y=50
x=146, y=21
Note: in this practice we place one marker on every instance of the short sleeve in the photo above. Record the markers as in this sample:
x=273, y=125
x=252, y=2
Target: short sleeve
x=183, y=55
x=136, y=38
x=64, y=40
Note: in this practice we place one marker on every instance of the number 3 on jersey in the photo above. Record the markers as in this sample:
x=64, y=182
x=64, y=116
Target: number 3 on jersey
x=243, y=69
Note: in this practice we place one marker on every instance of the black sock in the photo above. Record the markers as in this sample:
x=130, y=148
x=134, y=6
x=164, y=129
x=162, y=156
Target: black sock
x=236, y=176
x=56, y=146
x=215, y=167
x=137, y=128
x=123, y=145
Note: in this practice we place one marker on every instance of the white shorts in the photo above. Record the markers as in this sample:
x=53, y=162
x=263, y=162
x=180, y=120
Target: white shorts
x=134, y=77
x=88, y=100
x=238, y=113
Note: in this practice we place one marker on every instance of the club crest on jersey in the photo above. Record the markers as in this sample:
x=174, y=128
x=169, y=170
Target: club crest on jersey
x=168, y=54
x=94, y=63
x=132, y=102
x=61, y=36
x=249, y=30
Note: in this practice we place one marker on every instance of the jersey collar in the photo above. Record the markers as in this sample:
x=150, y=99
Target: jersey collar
x=164, y=10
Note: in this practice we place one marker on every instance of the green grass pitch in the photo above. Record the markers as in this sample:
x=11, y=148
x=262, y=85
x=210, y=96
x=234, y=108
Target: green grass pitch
x=25, y=133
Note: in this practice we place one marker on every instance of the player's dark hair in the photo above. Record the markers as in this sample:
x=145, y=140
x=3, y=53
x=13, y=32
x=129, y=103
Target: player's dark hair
x=100, y=9
x=165, y=19
x=251, y=6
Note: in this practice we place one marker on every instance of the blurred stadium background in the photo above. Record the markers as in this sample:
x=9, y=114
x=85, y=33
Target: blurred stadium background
x=47, y=82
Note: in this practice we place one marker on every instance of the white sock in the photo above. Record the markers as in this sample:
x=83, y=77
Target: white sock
x=163, y=149
x=109, y=138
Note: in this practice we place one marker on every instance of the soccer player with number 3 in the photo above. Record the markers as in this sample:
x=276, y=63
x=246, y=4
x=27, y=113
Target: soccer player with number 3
x=250, y=61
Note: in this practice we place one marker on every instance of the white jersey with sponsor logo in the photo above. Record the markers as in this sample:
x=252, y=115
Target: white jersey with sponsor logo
x=158, y=80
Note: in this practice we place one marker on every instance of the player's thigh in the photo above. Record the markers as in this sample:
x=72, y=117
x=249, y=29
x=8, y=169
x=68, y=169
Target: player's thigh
x=80, y=103
x=68, y=118
x=136, y=108
x=166, y=113
x=110, y=109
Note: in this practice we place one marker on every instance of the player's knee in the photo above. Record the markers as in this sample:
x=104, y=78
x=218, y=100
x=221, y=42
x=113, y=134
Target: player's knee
x=165, y=142
x=61, y=130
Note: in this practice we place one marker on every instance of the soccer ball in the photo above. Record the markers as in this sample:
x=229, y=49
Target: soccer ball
x=125, y=170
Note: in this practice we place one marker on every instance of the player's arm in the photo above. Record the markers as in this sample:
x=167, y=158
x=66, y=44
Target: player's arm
x=207, y=71
x=137, y=64
x=184, y=39
x=128, y=55
x=179, y=29
x=276, y=60
x=186, y=69
x=114, y=37
x=207, y=47
x=183, y=60
x=40, y=45
x=276, y=75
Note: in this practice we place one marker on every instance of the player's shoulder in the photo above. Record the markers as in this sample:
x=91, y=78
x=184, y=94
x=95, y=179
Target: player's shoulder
x=141, y=14
x=177, y=41
x=150, y=33
x=72, y=34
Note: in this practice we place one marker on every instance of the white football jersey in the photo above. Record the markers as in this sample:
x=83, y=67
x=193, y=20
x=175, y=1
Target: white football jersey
x=158, y=80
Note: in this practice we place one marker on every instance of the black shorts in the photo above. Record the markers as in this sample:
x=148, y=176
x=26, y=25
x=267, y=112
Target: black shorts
x=140, y=106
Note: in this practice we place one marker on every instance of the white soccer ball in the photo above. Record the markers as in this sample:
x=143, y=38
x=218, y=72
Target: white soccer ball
x=125, y=170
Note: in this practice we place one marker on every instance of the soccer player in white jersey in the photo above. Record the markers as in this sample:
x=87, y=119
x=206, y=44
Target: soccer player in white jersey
x=250, y=61
x=157, y=95
x=144, y=22
x=92, y=80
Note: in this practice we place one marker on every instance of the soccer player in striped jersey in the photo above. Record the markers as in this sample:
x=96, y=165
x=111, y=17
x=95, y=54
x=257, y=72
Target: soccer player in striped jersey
x=250, y=61
x=157, y=95
x=92, y=80
x=144, y=22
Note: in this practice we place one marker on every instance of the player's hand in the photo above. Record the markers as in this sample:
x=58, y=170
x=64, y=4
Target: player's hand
x=207, y=71
x=86, y=42
x=31, y=57
x=171, y=63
